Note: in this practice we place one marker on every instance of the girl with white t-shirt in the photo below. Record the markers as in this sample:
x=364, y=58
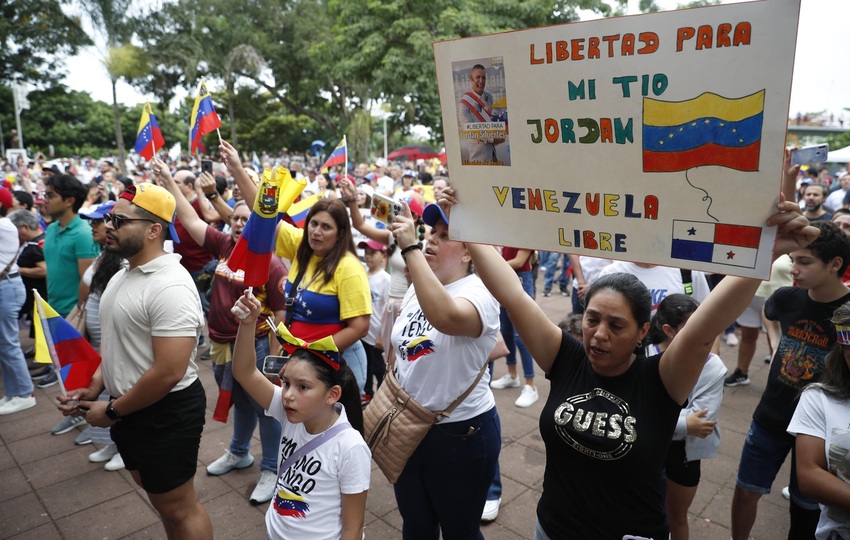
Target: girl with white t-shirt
x=821, y=424
x=324, y=464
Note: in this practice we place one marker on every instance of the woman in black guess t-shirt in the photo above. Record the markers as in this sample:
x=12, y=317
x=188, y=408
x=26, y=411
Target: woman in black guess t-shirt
x=611, y=411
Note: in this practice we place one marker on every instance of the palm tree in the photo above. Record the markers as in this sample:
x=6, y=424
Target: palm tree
x=242, y=58
x=120, y=58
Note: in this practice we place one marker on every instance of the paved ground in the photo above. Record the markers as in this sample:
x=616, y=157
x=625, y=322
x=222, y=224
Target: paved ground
x=48, y=488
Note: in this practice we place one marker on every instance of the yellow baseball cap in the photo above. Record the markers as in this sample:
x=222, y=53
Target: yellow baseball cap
x=156, y=200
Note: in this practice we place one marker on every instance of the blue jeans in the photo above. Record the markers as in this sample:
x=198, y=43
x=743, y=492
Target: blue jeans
x=761, y=459
x=444, y=485
x=13, y=365
x=247, y=413
x=495, y=491
x=512, y=339
x=551, y=265
x=355, y=357
x=578, y=304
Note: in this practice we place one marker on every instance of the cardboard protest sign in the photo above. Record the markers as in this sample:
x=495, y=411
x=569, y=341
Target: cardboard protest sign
x=654, y=138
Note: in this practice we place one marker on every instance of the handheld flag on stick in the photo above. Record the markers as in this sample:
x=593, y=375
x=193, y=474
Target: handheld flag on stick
x=74, y=359
x=149, y=136
x=204, y=119
x=298, y=212
x=253, y=250
x=337, y=157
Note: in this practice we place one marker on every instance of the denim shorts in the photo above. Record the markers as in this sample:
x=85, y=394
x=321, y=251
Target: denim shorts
x=761, y=459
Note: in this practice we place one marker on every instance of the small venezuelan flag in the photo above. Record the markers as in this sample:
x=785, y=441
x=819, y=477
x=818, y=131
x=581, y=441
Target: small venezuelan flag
x=337, y=157
x=298, y=212
x=204, y=118
x=149, y=137
x=73, y=357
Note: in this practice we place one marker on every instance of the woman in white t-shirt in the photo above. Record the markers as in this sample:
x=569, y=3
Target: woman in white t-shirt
x=821, y=424
x=321, y=494
x=446, y=328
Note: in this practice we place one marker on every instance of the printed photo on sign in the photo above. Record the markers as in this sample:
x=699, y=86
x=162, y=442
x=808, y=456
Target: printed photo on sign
x=482, y=111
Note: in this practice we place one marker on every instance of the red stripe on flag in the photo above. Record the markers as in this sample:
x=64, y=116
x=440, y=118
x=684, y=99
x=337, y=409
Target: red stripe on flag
x=745, y=158
x=222, y=405
x=737, y=235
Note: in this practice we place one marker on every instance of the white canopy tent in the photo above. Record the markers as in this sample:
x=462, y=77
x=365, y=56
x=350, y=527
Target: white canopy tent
x=842, y=155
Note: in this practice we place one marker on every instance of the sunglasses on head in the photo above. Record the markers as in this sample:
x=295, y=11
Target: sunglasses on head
x=117, y=221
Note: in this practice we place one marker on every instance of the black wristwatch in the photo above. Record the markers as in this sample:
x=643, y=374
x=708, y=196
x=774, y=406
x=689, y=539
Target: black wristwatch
x=111, y=412
x=211, y=196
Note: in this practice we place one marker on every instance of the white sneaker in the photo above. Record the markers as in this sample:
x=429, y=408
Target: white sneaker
x=104, y=454
x=505, y=381
x=228, y=462
x=115, y=464
x=17, y=404
x=491, y=510
x=528, y=397
x=4, y=400
x=265, y=487
x=731, y=339
x=786, y=492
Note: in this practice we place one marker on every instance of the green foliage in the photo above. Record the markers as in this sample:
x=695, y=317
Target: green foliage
x=698, y=3
x=32, y=34
x=839, y=141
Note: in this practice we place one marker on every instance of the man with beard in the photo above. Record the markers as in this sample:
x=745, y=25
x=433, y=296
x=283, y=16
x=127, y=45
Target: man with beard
x=68, y=248
x=813, y=197
x=151, y=317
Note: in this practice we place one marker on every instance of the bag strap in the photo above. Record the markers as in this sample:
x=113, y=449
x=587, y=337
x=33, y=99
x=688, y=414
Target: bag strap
x=445, y=413
x=5, y=271
x=290, y=299
x=311, y=445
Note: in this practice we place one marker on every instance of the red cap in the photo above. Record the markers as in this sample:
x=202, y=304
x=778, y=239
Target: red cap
x=6, y=200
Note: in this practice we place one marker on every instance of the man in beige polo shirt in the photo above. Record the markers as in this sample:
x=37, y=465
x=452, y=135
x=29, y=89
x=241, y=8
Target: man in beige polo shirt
x=151, y=318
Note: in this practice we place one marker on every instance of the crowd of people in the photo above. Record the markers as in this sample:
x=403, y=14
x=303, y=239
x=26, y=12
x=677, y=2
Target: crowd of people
x=636, y=384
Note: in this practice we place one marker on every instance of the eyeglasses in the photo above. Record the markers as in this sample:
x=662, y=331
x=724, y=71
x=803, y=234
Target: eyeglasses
x=118, y=221
x=96, y=222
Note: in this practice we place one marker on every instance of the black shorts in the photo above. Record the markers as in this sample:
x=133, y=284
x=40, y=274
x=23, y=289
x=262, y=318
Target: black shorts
x=679, y=469
x=161, y=441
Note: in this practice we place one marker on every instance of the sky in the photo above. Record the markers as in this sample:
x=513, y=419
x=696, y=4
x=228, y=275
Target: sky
x=821, y=80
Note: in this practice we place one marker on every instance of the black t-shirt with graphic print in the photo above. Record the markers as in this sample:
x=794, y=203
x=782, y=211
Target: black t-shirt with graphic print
x=606, y=439
x=807, y=337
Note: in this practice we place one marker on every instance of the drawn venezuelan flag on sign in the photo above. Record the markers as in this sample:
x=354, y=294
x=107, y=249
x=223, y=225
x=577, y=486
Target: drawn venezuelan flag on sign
x=706, y=130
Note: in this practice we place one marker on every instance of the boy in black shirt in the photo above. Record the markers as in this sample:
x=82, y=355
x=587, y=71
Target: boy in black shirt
x=804, y=313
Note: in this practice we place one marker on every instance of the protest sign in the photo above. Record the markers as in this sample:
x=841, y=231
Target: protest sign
x=654, y=138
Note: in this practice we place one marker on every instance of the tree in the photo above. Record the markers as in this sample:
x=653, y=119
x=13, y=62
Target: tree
x=34, y=33
x=389, y=44
x=120, y=58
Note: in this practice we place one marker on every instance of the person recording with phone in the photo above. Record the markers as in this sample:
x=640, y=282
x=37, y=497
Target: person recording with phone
x=227, y=287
